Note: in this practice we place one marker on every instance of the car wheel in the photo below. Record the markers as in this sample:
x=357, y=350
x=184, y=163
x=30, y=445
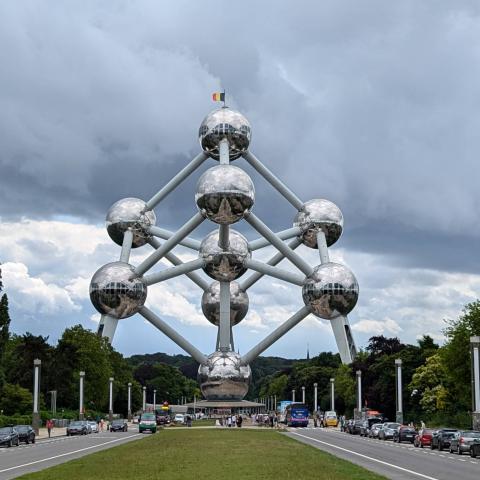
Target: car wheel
x=18, y=442
x=26, y=441
x=473, y=455
x=432, y=447
x=33, y=440
x=450, y=450
x=459, y=451
x=421, y=445
x=10, y=444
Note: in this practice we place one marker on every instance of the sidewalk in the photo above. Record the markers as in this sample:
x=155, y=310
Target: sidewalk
x=56, y=432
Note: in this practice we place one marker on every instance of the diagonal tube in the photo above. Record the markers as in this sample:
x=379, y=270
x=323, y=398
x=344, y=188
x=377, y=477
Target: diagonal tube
x=275, y=272
x=344, y=339
x=182, y=342
x=176, y=181
x=322, y=247
x=224, y=326
x=262, y=229
x=275, y=260
x=275, y=335
x=283, y=235
x=173, y=272
x=150, y=261
x=172, y=258
x=166, y=234
x=126, y=246
x=273, y=180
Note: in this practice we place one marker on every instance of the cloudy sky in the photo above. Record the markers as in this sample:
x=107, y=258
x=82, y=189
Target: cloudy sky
x=373, y=105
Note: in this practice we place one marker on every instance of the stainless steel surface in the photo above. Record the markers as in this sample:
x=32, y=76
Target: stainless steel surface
x=225, y=193
x=331, y=291
x=129, y=213
x=211, y=303
x=116, y=290
x=224, y=123
x=223, y=377
x=276, y=272
x=283, y=235
x=173, y=272
x=224, y=265
x=319, y=214
x=166, y=234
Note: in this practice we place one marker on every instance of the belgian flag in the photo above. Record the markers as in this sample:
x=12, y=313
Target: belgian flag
x=218, y=97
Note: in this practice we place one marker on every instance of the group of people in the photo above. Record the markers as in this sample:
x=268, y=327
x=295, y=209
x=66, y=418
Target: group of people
x=261, y=418
x=232, y=421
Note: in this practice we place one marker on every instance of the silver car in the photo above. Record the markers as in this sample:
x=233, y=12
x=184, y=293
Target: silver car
x=461, y=441
x=374, y=431
x=93, y=426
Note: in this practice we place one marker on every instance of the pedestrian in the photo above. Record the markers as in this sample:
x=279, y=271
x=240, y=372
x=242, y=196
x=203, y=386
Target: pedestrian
x=422, y=424
x=49, y=427
x=101, y=424
x=315, y=420
x=239, y=421
x=234, y=420
x=229, y=421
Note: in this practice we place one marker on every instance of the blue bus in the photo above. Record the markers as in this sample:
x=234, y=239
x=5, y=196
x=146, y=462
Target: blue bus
x=296, y=415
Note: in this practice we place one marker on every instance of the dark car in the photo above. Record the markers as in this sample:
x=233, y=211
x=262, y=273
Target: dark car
x=442, y=437
x=387, y=431
x=462, y=440
x=119, y=425
x=25, y=433
x=367, y=426
x=475, y=448
x=77, y=428
x=354, y=428
x=9, y=436
x=404, y=434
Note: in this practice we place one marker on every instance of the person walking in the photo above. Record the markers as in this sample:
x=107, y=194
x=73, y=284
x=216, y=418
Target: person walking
x=239, y=421
x=49, y=427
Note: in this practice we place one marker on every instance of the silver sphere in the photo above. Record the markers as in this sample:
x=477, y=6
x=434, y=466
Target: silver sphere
x=225, y=265
x=115, y=290
x=330, y=291
x=225, y=193
x=238, y=303
x=319, y=214
x=129, y=213
x=224, y=123
x=222, y=377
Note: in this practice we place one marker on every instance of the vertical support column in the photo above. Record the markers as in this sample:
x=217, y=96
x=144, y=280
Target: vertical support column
x=399, y=390
x=303, y=394
x=332, y=394
x=110, y=399
x=475, y=351
x=275, y=402
x=144, y=400
x=224, y=327
x=154, y=400
x=359, y=395
x=81, y=408
x=293, y=395
x=129, y=402
x=36, y=391
x=315, y=397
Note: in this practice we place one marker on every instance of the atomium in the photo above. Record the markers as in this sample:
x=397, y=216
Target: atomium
x=129, y=214
x=116, y=291
x=228, y=124
x=330, y=291
x=223, y=377
x=319, y=214
x=225, y=194
x=211, y=303
x=224, y=265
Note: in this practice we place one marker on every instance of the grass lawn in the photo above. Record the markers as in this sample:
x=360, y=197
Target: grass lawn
x=209, y=454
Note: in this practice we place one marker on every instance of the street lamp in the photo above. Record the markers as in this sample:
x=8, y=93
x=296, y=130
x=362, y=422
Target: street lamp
x=110, y=402
x=293, y=396
x=81, y=407
x=36, y=388
x=315, y=397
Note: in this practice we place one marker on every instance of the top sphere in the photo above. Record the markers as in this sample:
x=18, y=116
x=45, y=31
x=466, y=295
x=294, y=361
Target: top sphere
x=129, y=213
x=224, y=123
x=319, y=214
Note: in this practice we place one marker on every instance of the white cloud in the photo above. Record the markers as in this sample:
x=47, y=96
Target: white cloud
x=377, y=327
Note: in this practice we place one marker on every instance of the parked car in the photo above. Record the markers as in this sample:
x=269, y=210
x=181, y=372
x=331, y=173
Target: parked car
x=77, y=427
x=147, y=422
x=387, y=431
x=375, y=430
x=119, y=425
x=179, y=418
x=441, y=438
x=93, y=426
x=404, y=434
x=25, y=433
x=475, y=448
x=354, y=427
x=9, y=436
x=423, y=438
x=367, y=425
x=331, y=419
x=461, y=441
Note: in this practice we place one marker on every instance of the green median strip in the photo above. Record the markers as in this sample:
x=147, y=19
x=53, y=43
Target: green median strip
x=205, y=454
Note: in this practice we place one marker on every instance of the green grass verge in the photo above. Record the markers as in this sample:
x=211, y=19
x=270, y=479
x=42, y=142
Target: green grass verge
x=209, y=454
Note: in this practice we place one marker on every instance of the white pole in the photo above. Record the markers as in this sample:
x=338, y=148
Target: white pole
x=359, y=392
x=303, y=394
x=293, y=396
x=110, y=402
x=80, y=407
x=144, y=406
x=129, y=402
x=398, y=365
x=332, y=394
x=36, y=390
x=476, y=376
x=315, y=397
x=154, y=400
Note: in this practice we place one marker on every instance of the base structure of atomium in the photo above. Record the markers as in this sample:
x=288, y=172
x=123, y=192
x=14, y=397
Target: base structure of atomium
x=225, y=195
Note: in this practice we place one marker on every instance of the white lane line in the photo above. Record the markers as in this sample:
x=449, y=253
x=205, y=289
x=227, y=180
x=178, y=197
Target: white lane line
x=367, y=457
x=68, y=453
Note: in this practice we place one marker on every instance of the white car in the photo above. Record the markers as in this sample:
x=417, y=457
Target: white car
x=179, y=418
x=93, y=426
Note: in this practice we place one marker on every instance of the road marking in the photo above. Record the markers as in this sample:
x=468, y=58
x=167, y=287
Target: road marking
x=366, y=456
x=68, y=453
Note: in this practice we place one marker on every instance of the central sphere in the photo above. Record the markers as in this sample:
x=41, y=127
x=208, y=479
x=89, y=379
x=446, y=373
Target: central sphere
x=330, y=291
x=117, y=291
x=129, y=213
x=238, y=303
x=222, y=377
x=224, y=123
x=224, y=265
x=319, y=214
x=225, y=193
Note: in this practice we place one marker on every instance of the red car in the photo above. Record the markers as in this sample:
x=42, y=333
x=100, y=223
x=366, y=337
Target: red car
x=424, y=438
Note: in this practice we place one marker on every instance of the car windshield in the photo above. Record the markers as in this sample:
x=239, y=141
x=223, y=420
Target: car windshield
x=5, y=430
x=148, y=416
x=22, y=428
x=471, y=434
x=92, y=423
x=392, y=425
x=76, y=424
x=427, y=432
x=117, y=422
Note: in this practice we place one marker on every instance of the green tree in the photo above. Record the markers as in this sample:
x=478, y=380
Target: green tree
x=4, y=334
x=16, y=400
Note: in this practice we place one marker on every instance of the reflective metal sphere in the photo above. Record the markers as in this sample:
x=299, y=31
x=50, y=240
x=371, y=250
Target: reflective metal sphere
x=223, y=378
x=115, y=290
x=128, y=213
x=225, y=193
x=224, y=123
x=330, y=291
x=224, y=265
x=319, y=214
x=211, y=303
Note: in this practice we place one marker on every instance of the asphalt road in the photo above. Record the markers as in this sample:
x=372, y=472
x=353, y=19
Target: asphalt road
x=393, y=460
x=16, y=461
